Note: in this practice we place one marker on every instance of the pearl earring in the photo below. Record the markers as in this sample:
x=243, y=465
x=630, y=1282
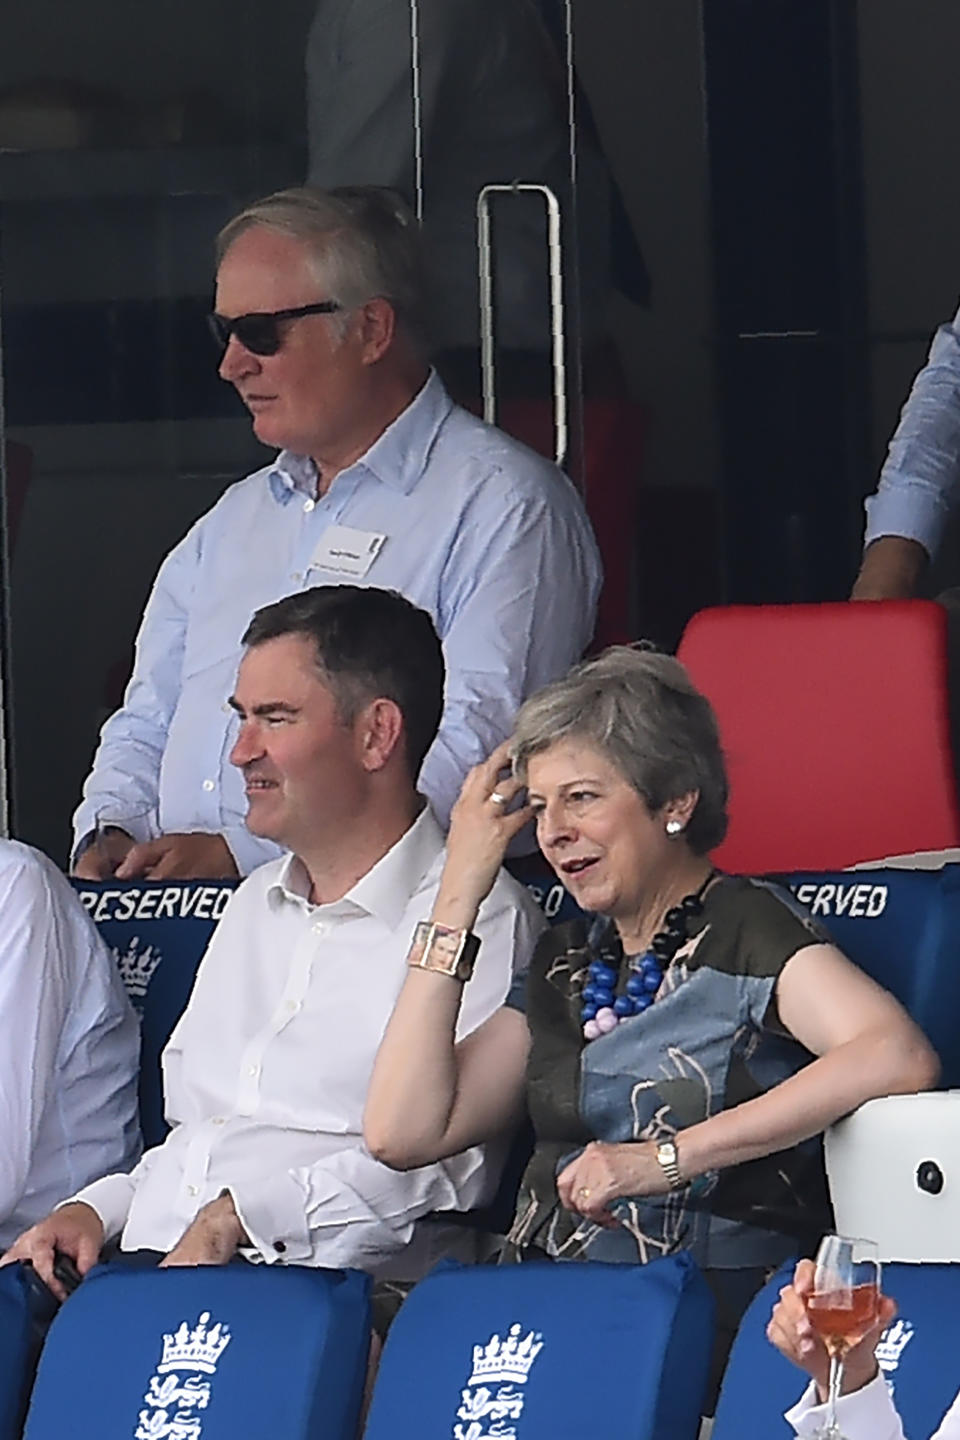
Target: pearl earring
x=674, y=828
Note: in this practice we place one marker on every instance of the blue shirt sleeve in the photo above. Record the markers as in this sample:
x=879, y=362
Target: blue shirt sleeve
x=920, y=477
x=519, y=610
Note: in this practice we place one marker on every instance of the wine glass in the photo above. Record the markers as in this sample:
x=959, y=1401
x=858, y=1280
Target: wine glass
x=843, y=1307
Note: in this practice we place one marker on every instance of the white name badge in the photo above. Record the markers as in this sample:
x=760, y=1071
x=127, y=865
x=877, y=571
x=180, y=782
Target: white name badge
x=344, y=551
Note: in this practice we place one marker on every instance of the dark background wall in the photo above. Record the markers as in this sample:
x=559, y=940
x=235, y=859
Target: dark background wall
x=109, y=497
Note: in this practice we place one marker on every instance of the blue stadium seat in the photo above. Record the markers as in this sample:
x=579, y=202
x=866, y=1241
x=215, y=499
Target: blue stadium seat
x=158, y=931
x=536, y=874
x=22, y=1320
x=224, y=1351
x=918, y=1355
x=901, y=927
x=576, y=1349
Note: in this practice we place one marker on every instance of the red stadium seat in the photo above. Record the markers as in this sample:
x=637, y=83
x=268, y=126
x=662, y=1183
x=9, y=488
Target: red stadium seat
x=835, y=723
x=613, y=435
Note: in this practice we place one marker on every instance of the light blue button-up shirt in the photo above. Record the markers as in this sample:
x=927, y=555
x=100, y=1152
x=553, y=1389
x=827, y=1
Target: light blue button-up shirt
x=487, y=536
x=920, y=480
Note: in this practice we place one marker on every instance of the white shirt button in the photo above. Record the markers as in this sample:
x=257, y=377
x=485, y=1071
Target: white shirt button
x=192, y=1190
x=297, y=576
x=309, y=505
x=218, y=1120
x=293, y=1006
x=209, y=785
x=254, y=1071
x=319, y=928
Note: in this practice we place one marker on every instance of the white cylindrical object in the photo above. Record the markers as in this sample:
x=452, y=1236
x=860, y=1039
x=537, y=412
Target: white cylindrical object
x=894, y=1172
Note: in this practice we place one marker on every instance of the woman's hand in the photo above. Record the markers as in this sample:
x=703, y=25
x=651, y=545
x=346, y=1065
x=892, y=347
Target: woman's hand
x=480, y=831
x=793, y=1335
x=603, y=1173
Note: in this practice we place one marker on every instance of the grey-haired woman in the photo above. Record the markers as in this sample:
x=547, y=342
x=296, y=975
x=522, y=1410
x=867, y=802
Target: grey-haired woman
x=682, y=1048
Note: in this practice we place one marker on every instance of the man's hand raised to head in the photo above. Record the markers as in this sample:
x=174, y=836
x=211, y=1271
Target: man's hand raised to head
x=212, y=1238
x=75, y=1230
x=194, y=856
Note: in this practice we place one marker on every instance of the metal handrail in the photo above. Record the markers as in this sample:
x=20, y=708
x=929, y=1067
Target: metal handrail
x=558, y=345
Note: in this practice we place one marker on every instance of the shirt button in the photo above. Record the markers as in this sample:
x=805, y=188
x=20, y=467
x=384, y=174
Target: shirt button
x=254, y=1071
x=192, y=1190
x=218, y=1120
x=297, y=576
x=280, y=1247
x=309, y=505
x=319, y=928
x=209, y=785
x=293, y=1006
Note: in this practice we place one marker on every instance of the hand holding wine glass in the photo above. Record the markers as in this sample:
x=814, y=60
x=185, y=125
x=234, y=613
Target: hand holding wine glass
x=842, y=1308
x=793, y=1335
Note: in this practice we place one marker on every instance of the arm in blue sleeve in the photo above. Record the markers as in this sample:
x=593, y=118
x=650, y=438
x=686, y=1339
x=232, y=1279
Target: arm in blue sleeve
x=34, y=1001
x=125, y=777
x=921, y=475
x=518, y=608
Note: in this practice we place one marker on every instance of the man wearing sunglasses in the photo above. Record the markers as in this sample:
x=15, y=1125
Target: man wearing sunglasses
x=380, y=480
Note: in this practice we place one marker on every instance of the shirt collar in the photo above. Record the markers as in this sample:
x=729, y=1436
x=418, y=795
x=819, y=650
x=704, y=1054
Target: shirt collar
x=397, y=458
x=386, y=889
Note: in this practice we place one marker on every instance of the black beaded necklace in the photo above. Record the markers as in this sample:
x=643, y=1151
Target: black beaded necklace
x=602, y=1008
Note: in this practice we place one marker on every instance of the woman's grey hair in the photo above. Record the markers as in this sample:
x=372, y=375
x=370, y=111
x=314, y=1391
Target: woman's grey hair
x=363, y=241
x=643, y=712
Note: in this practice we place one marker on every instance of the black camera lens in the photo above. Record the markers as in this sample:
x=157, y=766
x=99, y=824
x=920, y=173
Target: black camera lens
x=930, y=1177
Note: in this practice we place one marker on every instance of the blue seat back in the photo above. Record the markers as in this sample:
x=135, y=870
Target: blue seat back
x=537, y=875
x=224, y=1351
x=19, y=1342
x=158, y=931
x=548, y=1352
x=917, y=1353
x=903, y=928
x=758, y=1384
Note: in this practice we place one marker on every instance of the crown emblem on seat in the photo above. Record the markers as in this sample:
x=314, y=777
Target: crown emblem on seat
x=197, y=1349
x=505, y=1362
x=893, y=1342
x=136, y=967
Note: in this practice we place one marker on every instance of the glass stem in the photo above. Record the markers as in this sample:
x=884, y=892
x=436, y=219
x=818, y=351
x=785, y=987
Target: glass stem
x=833, y=1394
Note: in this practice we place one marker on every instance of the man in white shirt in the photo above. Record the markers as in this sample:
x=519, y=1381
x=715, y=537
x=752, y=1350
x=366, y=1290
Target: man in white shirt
x=339, y=696
x=865, y=1410
x=69, y=1045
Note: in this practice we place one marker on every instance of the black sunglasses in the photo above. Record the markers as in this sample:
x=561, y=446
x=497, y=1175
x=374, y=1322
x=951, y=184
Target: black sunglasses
x=260, y=332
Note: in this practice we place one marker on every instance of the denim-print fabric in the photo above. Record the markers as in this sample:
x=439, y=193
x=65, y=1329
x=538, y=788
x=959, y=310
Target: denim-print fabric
x=712, y=1039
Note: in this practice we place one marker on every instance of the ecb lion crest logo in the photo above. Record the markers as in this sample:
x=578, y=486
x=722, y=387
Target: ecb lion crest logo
x=493, y=1399
x=180, y=1390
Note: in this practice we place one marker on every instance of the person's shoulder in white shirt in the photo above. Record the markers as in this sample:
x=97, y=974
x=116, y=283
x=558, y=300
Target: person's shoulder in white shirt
x=69, y=1045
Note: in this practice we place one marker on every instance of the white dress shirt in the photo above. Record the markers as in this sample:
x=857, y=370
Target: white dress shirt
x=266, y=1074
x=867, y=1414
x=69, y=1045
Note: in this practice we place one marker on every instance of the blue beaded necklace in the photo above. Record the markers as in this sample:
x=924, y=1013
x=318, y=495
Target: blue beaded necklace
x=603, y=1008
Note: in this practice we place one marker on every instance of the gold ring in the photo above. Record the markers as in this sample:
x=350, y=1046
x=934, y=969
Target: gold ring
x=498, y=799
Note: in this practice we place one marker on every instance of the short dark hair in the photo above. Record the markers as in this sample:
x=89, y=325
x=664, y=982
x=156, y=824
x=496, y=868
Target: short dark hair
x=369, y=643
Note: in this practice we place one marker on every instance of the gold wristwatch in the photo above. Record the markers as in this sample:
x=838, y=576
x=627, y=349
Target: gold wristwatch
x=668, y=1160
